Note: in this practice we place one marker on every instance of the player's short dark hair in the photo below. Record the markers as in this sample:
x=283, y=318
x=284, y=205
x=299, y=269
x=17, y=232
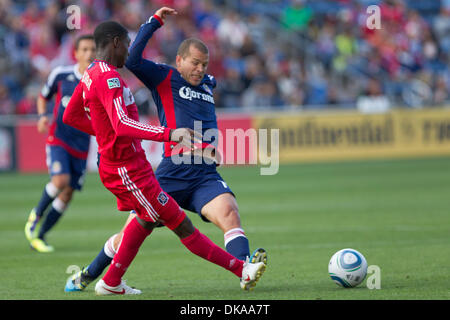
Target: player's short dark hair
x=81, y=38
x=106, y=31
x=183, y=49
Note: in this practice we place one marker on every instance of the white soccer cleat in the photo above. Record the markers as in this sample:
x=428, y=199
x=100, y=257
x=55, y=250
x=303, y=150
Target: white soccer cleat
x=102, y=289
x=251, y=274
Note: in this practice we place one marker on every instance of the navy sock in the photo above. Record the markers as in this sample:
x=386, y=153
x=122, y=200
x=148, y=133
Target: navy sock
x=238, y=247
x=103, y=259
x=45, y=200
x=55, y=213
x=100, y=263
x=51, y=219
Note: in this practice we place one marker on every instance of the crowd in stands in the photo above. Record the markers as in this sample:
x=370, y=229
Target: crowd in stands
x=288, y=54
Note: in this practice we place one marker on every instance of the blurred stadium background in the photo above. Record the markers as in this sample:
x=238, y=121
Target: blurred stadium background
x=284, y=57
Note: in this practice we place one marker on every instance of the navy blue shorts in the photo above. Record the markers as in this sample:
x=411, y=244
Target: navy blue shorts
x=191, y=185
x=59, y=161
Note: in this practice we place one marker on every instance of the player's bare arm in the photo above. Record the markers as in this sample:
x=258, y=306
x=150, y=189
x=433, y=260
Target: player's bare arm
x=43, y=122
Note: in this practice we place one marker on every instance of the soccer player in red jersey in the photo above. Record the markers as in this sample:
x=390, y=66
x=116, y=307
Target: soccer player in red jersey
x=102, y=105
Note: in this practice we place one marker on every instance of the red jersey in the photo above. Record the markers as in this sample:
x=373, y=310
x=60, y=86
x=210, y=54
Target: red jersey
x=102, y=105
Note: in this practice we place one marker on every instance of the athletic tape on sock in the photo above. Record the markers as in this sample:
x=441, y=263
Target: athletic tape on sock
x=109, y=246
x=52, y=190
x=233, y=234
x=59, y=205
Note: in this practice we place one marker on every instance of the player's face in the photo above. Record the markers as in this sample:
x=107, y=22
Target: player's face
x=122, y=50
x=85, y=52
x=193, y=66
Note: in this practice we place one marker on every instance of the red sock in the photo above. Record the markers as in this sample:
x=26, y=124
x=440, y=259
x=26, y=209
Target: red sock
x=133, y=237
x=202, y=246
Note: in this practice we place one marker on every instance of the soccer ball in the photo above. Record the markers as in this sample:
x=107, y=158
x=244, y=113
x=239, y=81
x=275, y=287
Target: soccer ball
x=347, y=268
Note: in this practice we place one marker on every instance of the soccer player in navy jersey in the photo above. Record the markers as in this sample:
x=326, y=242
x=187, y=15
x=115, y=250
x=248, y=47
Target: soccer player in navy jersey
x=66, y=147
x=183, y=94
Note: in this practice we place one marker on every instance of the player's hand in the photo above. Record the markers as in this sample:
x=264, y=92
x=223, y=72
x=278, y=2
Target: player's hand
x=42, y=125
x=164, y=12
x=186, y=137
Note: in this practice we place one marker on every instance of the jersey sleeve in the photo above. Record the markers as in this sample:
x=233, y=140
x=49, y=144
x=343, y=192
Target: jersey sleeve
x=110, y=93
x=75, y=115
x=51, y=86
x=149, y=72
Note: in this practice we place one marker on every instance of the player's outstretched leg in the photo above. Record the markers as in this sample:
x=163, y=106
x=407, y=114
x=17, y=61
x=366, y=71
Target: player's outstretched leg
x=134, y=235
x=202, y=246
x=223, y=212
x=80, y=280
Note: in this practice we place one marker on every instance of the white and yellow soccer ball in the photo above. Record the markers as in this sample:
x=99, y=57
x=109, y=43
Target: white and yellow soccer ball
x=347, y=268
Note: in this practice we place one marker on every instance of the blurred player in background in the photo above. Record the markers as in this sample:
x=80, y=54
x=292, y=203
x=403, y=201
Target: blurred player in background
x=67, y=148
x=103, y=105
x=195, y=187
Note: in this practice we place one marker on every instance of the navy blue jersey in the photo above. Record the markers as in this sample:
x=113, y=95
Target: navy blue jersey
x=61, y=84
x=179, y=103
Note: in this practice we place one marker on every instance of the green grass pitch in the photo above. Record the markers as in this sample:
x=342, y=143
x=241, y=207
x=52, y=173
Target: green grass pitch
x=396, y=212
